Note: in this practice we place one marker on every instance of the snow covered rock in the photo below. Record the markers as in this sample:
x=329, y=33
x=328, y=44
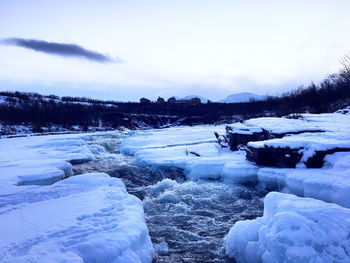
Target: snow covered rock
x=260, y=129
x=279, y=127
x=292, y=229
x=239, y=134
x=344, y=111
x=308, y=148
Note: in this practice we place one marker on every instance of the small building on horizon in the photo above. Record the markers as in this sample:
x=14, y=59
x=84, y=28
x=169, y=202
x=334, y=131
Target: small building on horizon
x=144, y=100
x=172, y=100
x=160, y=100
x=196, y=100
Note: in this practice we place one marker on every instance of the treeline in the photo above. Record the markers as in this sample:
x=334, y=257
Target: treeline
x=42, y=98
x=19, y=108
x=331, y=94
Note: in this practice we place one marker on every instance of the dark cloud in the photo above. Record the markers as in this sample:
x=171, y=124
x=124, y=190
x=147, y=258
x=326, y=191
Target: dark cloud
x=60, y=49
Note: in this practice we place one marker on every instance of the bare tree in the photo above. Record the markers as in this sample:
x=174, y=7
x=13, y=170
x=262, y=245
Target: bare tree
x=345, y=72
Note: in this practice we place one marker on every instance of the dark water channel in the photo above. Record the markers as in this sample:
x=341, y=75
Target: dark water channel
x=187, y=220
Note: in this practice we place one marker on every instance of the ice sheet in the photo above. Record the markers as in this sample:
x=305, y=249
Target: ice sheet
x=48, y=215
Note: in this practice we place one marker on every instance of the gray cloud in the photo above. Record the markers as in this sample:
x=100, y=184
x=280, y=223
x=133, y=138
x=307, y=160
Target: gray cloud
x=59, y=49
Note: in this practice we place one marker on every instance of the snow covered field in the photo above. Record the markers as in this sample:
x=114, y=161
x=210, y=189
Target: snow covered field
x=84, y=218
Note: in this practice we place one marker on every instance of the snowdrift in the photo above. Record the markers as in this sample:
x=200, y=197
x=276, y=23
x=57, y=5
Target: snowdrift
x=292, y=229
x=48, y=215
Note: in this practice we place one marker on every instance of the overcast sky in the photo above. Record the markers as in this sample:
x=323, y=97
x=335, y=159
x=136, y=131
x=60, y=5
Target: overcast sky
x=124, y=50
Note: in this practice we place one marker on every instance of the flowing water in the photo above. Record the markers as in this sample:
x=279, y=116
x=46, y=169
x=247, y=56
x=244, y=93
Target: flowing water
x=187, y=220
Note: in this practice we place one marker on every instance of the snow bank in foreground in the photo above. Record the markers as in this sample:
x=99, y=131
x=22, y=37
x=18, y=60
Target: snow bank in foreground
x=85, y=218
x=292, y=229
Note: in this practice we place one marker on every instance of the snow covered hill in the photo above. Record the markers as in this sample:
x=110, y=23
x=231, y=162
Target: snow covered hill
x=189, y=97
x=242, y=97
x=234, y=98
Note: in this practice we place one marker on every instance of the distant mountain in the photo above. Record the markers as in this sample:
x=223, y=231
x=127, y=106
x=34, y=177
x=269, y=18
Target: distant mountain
x=189, y=97
x=242, y=97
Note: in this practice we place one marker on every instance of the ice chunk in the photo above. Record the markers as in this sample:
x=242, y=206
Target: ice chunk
x=292, y=229
x=161, y=248
x=331, y=185
x=340, y=160
x=239, y=171
x=272, y=178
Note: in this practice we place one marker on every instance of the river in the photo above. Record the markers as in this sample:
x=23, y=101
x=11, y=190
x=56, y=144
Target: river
x=187, y=220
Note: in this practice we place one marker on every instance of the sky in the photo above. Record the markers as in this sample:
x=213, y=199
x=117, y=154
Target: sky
x=125, y=50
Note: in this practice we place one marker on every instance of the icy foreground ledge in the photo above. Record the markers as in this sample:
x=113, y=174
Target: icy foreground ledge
x=292, y=229
x=47, y=217
x=85, y=218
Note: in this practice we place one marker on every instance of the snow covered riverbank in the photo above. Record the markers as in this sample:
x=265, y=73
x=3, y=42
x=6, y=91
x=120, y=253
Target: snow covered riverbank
x=84, y=218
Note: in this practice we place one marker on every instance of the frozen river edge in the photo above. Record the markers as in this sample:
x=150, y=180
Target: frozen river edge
x=48, y=215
